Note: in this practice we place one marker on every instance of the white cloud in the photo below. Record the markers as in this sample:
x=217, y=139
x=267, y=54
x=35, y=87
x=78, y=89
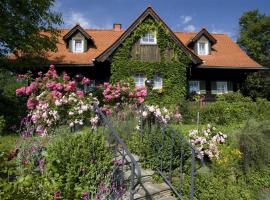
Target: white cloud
x=190, y=28
x=76, y=17
x=186, y=19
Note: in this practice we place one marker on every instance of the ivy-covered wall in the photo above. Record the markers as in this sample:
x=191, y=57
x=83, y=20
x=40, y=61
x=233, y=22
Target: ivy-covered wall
x=173, y=71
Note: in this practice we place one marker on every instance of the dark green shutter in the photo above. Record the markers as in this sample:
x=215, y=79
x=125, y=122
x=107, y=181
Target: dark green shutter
x=84, y=45
x=202, y=87
x=213, y=87
x=230, y=86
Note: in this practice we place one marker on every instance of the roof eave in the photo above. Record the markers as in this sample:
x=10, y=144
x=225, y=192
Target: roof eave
x=233, y=67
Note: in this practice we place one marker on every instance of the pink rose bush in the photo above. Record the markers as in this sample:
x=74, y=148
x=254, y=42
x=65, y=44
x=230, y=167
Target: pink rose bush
x=207, y=141
x=55, y=100
x=121, y=95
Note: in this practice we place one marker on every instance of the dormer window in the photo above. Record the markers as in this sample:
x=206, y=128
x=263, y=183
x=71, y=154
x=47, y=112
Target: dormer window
x=77, y=46
x=203, y=46
x=149, y=38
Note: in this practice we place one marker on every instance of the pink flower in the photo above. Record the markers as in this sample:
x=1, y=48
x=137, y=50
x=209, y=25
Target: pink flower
x=50, y=85
x=39, y=73
x=71, y=86
x=31, y=103
x=140, y=100
x=58, y=86
x=80, y=93
x=106, y=84
x=65, y=76
x=85, y=81
x=21, y=91
x=55, y=94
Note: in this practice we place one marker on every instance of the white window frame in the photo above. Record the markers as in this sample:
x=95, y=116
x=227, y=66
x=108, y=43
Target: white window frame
x=197, y=85
x=74, y=46
x=158, y=82
x=147, y=37
x=139, y=80
x=205, y=42
x=222, y=87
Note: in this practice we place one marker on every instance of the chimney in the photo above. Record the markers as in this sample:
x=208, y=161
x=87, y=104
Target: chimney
x=117, y=26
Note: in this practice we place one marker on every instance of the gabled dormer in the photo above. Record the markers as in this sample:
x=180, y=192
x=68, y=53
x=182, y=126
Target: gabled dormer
x=202, y=42
x=78, y=40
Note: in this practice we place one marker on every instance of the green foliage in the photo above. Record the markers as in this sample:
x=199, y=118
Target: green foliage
x=228, y=109
x=12, y=107
x=7, y=168
x=233, y=97
x=21, y=23
x=173, y=72
x=257, y=85
x=254, y=36
x=74, y=164
x=254, y=143
x=2, y=124
x=77, y=163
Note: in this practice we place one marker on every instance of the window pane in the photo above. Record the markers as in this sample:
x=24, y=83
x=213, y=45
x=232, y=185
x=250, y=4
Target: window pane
x=148, y=38
x=222, y=87
x=194, y=86
x=158, y=83
x=139, y=80
x=78, y=45
x=202, y=50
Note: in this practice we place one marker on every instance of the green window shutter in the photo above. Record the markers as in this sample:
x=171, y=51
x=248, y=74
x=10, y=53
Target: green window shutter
x=230, y=86
x=213, y=87
x=84, y=45
x=202, y=87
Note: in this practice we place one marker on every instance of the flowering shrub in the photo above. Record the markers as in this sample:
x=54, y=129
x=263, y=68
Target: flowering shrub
x=55, y=100
x=162, y=115
x=206, y=141
x=121, y=95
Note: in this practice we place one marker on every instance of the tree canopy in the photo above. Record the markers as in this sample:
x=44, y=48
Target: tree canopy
x=28, y=27
x=254, y=36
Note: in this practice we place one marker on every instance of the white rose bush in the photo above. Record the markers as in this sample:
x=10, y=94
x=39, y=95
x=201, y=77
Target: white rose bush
x=207, y=141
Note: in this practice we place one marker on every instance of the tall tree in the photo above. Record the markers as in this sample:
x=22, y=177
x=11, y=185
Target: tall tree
x=254, y=36
x=28, y=27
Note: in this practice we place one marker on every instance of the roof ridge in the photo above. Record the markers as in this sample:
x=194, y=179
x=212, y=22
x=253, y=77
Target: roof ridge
x=197, y=32
x=91, y=29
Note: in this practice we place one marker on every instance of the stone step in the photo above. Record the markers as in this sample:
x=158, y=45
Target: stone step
x=153, y=191
x=146, y=175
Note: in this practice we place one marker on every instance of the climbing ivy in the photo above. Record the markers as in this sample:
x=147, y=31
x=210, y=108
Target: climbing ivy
x=173, y=71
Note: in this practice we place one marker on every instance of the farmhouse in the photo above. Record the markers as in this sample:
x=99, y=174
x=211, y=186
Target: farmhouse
x=175, y=62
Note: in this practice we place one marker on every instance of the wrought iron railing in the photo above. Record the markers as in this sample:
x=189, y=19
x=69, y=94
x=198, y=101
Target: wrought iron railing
x=173, y=153
x=126, y=174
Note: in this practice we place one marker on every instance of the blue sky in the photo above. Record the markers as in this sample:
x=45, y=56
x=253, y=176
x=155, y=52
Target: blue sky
x=180, y=15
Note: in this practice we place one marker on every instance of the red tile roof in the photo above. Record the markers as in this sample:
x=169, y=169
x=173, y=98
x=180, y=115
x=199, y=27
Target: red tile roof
x=225, y=53
x=102, y=39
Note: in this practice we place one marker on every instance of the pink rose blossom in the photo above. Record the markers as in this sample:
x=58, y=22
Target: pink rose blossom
x=31, y=103
x=66, y=77
x=55, y=94
x=85, y=81
x=21, y=91
x=80, y=93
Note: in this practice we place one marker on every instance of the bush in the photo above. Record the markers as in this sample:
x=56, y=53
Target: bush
x=254, y=143
x=2, y=124
x=233, y=97
x=228, y=109
x=12, y=107
x=74, y=164
x=77, y=163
